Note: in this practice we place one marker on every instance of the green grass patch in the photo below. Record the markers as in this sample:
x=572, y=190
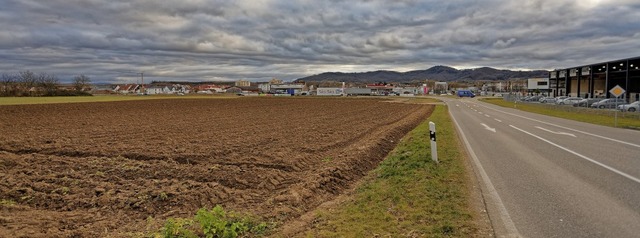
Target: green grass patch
x=409, y=195
x=594, y=116
x=100, y=98
x=213, y=223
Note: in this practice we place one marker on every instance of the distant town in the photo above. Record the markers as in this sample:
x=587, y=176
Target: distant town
x=277, y=87
x=30, y=84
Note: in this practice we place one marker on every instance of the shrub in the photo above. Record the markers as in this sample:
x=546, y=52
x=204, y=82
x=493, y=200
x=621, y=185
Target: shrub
x=214, y=223
x=175, y=228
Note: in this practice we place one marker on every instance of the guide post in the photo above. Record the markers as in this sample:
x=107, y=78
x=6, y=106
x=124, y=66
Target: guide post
x=434, y=146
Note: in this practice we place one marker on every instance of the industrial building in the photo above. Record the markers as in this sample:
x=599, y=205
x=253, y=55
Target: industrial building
x=538, y=85
x=595, y=80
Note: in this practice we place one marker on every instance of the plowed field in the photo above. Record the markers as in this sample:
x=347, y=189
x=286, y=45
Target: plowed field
x=98, y=169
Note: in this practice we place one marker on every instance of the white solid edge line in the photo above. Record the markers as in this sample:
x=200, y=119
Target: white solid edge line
x=581, y=156
x=567, y=128
x=510, y=227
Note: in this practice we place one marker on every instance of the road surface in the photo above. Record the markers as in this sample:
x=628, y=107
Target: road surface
x=549, y=177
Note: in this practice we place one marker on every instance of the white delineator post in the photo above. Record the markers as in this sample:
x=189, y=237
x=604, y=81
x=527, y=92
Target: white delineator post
x=434, y=145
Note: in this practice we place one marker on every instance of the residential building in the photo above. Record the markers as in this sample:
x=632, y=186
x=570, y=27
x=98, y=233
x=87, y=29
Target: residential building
x=242, y=83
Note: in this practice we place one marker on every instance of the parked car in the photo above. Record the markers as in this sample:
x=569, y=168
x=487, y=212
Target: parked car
x=608, y=103
x=586, y=102
x=532, y=98
x=568, y=101
x=547, y=100
x=560, y=98
x=632, y=107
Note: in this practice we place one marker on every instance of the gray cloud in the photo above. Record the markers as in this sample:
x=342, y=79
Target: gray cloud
x=503, y=43
x=257, y=40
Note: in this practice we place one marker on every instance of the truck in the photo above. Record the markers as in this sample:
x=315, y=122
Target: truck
x=357, y=91
x=329, y=92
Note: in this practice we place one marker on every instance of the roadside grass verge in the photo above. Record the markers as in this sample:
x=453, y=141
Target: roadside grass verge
x=409, y=195
x=584, y=116
x=98, y=98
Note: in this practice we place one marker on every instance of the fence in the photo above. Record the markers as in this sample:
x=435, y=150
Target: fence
x=570, y=108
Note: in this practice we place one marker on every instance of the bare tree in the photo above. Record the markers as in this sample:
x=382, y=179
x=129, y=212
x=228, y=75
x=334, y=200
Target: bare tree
x=8, y=85
x=27, y=81
x=49, y=83
x=81, y=82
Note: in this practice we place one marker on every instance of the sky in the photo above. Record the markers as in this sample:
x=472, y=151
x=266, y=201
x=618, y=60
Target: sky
x=117, y=41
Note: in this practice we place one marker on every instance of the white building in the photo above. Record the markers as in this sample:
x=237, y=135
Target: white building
x=265, y=87
x=243, y=83
x=293, y=89
x=440, y=87
x=540, y=84
x=153, y=90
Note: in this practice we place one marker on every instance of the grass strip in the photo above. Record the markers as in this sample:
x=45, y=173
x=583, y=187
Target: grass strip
x=409, y=195
x=583, y=116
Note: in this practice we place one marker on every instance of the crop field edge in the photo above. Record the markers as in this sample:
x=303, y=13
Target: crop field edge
x=7, y=101
x=100, y=98
x=148, y=196
x=410, y=195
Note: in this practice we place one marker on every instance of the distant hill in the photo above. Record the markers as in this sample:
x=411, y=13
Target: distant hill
x=440, y=73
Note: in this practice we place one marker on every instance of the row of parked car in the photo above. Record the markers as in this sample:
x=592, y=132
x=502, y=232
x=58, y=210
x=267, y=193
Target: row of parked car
x=601, y=103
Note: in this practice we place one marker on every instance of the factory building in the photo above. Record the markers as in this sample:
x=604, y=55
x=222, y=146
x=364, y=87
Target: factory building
x=595, y=80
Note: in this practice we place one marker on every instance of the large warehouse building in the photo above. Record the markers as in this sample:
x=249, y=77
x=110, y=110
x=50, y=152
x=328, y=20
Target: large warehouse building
x=596, y=80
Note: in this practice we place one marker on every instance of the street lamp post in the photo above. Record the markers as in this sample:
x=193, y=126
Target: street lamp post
x=141, y=83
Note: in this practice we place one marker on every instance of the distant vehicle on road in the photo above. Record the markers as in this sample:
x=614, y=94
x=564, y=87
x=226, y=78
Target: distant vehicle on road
x=631, y=107
x=608, y=103
x=358, y=91
x=465, y=93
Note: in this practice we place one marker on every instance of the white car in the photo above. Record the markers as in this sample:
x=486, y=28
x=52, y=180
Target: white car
x=568, y=101
x=632, y=107
x=547, y=100
x=560, y=98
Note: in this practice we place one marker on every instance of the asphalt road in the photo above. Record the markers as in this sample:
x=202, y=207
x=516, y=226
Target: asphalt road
x=549, y=177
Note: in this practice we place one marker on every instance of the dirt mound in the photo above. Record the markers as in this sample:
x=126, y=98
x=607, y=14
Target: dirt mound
x=97, y=169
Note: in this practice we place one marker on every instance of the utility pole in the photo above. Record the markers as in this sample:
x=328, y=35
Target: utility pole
x=142, y=83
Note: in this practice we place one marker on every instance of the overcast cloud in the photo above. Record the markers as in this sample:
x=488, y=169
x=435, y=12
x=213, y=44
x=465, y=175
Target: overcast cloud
x=112, y=41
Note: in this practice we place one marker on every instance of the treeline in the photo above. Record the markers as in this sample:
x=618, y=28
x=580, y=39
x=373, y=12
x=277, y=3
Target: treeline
x=30, y=84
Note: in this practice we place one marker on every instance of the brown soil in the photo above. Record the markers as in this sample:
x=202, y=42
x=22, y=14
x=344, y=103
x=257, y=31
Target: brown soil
x=102, y=169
